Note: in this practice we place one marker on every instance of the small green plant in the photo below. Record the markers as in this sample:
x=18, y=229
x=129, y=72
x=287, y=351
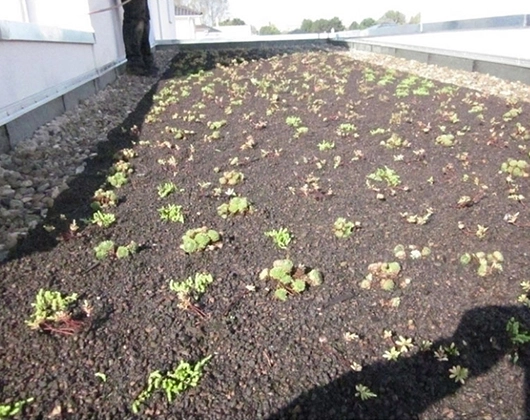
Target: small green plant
x=388, y=78
x=199, y=239
x=523, y=298
x=183, y=377
x=346, y=129
x=171, y=213
x=369, y=75
x=377, y=131
x=236, y=205
x=231, y=178
x=103, y=199
x=166, y=188
x=51, y=308
x=385, y=272
x=395, y=142
x=299, y=131
x=293, y=121
x=518, y=336
x=123, y=167
x=446, y=140
x=445, y=351
x=363, y=392
x=511, y=114
x=416, y=219
x=326, y=145
x=104, y=249
x=386, y=175
x=392, y=354
x=103, y=219
x=459, y=374
x=487, y=263
x=118, y=180
x=400, y=252
x=516, y=333
x=281, y=237
x=216, y=125
x=290, y=280
x=516, y=168
x=191, y=289
x=108, y=248
x=126, y=154
x=343, y=228
x=11, y=410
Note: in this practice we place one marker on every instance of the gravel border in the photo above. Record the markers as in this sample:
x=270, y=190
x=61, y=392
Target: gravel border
x=37, y=170
x=34, y=174
x=482, y=82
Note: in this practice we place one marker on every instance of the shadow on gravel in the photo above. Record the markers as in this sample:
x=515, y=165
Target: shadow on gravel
x=407, y=387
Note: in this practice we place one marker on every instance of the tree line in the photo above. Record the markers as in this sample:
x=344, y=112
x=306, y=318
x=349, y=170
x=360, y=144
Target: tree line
x=215, y=12
x=391, y=17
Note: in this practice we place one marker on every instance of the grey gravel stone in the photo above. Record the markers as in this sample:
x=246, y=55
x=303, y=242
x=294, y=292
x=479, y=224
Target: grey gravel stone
x=38, y=170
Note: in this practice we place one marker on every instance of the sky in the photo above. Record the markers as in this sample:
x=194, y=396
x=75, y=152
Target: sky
x=289, y=14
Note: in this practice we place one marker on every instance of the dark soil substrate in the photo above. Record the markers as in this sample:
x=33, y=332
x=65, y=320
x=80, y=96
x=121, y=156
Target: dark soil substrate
x=293, y=359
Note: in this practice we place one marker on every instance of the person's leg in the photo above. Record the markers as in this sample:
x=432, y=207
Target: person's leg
x=147, y=54
x=132, y=32
x=133, y=29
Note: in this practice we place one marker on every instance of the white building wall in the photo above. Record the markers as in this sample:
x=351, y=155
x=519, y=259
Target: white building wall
x=48, y=47
x=185, y=27
x=162, y=19
x=31, y=68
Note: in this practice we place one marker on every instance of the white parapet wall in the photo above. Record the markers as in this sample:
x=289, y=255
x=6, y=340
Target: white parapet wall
x=57, y=52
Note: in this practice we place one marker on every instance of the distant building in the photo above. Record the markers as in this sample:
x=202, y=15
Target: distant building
x=187, y=21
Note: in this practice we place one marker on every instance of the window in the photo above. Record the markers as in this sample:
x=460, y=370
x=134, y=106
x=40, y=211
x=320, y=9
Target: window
x=64, y=14
x=46, y=20
x=14, y=10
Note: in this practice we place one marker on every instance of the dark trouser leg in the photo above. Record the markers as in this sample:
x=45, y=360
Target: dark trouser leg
x=133, y=31
x=147, y=55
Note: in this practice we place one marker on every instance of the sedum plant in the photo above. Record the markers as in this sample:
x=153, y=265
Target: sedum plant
x=52, y=308
x=10, y=410
x=459, y=374
x=165, y=189
x=182, y=378
x=518, y=336
x=326, y=145
x=231, y=178
x=516, y=168
x=191, y=289
x=236, y=205
x=446, y=140
x=346, y=129
x=109, y=249
x=487, y=263
x=385, y=175
x=290, y=280
x=199, y=239
x=363, y=392
x=118, y=180
x=343, y=228
x=103, y=219
x=103, y=199
x=123, y=167
x=395, y=142
x=281, y=237
x=171, y=213
x=385, y=272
